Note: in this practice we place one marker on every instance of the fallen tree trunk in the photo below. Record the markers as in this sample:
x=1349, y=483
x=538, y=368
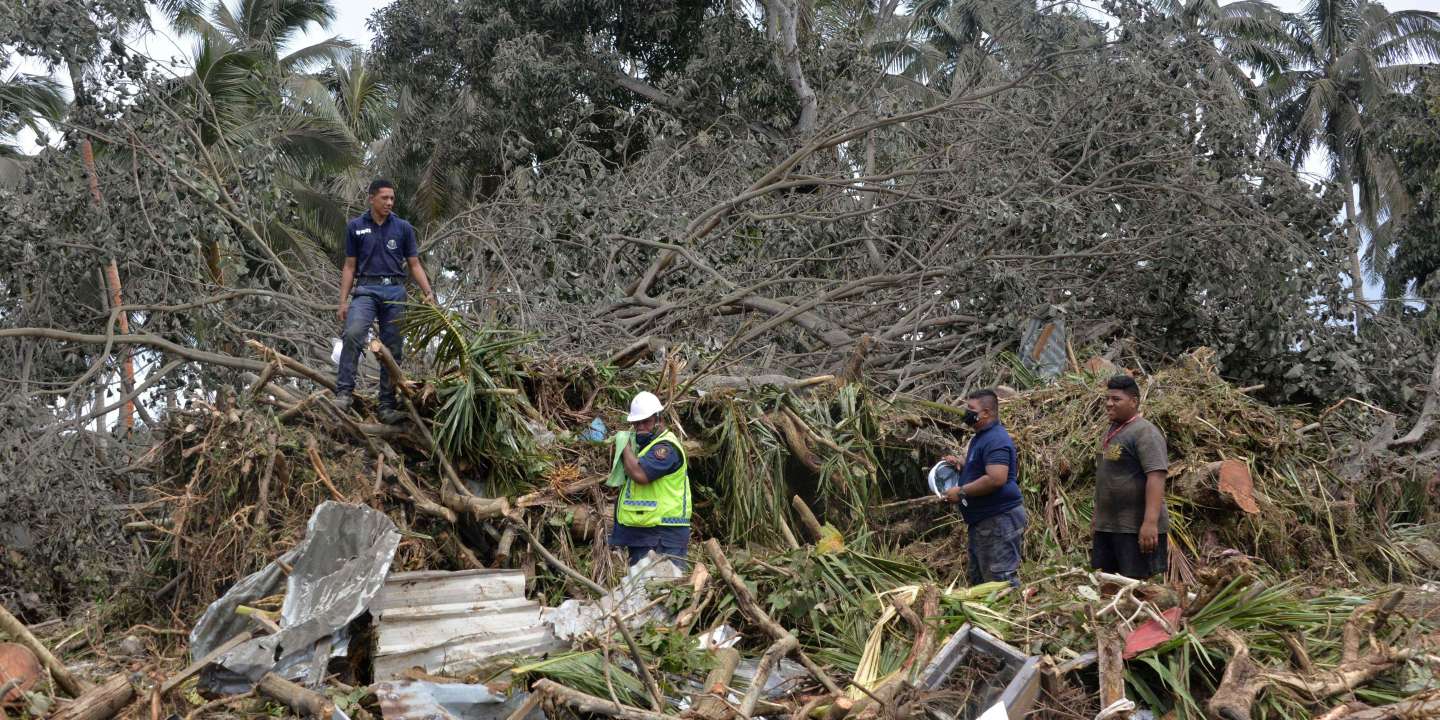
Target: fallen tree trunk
x=1427, y=706
x=1240, y=684
x=101, y=702
x=711, y=704
x=1225, y=484
x=799, y=449
x=474, y=506
x=1112, y=667
x=808, y=522
x=306, y=703
x=1244, y=680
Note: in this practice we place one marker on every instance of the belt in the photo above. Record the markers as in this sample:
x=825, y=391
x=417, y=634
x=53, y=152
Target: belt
x=379, y=279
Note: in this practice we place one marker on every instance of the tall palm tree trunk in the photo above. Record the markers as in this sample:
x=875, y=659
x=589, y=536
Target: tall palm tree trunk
x=1357, y=241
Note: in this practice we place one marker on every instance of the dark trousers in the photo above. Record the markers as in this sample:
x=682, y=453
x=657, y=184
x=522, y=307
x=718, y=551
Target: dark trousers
x=1119, y=554
x=674, y=553
x=368, y=304
x=995, y=547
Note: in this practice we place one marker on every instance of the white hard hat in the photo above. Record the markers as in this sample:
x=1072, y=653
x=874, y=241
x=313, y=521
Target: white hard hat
x=643, y=406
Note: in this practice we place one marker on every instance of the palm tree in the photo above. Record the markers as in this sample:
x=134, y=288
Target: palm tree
x=26, y=101
x=1231, y=40
x=264, y=27
x=249, y=88
x=954, y=44
x=1350, y=55
x=350, y=99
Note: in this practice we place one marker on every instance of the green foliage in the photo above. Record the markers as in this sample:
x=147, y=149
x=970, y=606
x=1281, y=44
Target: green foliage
x=1403, y=250
x=481, y=419
x=749, y=478
x=589, y=672
x=828, y=598
x=492, y=86
x=1182, y=672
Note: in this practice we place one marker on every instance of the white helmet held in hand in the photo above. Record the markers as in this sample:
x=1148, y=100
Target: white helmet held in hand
x=644, y=406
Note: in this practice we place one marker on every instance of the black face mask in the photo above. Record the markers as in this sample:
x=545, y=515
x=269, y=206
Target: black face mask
x=970, y=418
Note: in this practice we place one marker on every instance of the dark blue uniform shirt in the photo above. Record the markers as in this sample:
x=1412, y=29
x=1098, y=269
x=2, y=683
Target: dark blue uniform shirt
x=380, y=249
x=991, y=446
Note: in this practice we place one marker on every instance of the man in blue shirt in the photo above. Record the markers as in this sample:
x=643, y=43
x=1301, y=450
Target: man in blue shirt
x=988, y=494
x=379, y=249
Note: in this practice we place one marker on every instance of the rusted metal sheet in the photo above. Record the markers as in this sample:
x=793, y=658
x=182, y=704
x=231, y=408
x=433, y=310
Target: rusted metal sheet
x=453, y=622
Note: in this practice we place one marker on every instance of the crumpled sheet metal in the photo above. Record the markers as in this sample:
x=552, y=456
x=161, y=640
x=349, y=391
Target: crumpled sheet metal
x=420, y=700
x=336, y=571
x=574, y=617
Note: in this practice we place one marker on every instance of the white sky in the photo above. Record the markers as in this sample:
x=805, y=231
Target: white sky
x=352, y=14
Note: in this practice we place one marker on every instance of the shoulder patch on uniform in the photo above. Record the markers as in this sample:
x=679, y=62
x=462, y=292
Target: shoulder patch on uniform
x=662, y=451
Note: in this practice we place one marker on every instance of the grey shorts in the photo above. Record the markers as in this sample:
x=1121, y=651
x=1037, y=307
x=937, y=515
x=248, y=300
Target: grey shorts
x=995, y=547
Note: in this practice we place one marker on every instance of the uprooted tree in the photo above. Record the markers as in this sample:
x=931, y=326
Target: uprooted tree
x=780, y=192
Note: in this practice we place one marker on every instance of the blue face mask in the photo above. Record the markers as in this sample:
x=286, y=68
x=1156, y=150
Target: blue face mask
x=642, y=439
x=970, y=418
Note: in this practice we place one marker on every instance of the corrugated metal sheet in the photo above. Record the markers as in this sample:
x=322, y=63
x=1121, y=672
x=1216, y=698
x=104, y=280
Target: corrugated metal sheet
x=454, y=622
x=1042, y=347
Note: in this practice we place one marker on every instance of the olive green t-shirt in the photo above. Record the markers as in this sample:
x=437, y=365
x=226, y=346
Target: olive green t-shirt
x=1120, y=477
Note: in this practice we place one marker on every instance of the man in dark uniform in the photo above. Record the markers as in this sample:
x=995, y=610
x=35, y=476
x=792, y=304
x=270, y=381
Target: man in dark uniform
x=652, y=511
x=1131, y=523
x=379, y=250
x=988, y=494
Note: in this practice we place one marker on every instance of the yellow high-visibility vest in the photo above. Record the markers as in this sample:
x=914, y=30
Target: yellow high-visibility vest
x=665, y=501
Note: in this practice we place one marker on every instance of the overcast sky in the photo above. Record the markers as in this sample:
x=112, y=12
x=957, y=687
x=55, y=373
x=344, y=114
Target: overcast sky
x=352, y=14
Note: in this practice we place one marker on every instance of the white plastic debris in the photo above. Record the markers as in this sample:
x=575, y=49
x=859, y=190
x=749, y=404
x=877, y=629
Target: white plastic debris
x=593, y=617
x=721, y=637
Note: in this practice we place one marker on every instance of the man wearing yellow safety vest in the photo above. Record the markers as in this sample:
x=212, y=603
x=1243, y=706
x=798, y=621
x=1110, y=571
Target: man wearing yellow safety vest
x=652, y=511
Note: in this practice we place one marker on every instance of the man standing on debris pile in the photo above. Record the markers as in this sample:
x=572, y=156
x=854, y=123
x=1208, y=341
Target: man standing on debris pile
x=379, y=249
x=652, y=511
x=1130, y=519
x=988, y=494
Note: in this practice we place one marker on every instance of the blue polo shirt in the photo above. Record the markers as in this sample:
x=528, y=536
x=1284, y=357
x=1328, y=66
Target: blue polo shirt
x=380, y=249
x=991, y=446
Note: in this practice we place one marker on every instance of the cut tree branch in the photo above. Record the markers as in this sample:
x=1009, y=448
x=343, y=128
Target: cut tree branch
x=1427, y=412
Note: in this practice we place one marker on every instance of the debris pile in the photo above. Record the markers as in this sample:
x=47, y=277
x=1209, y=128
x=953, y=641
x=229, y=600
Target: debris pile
x=320, y=564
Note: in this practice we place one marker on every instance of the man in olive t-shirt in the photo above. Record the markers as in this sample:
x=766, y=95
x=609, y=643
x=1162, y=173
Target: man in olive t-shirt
x=1131, y=524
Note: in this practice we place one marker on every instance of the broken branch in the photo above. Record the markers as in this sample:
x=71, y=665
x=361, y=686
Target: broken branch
x=12, y=626
x=753, y=611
